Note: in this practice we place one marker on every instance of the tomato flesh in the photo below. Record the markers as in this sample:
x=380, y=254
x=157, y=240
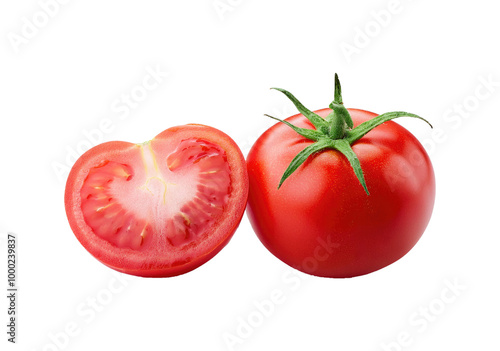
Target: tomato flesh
x=162, y=205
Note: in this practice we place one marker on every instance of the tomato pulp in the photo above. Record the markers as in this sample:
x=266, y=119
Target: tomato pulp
x=321, y=221
x=161, y=208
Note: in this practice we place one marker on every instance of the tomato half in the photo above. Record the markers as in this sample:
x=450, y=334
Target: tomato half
x=161, y=208
x=321, y=221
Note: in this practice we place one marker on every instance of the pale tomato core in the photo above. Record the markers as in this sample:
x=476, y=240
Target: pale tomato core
x=165, y=201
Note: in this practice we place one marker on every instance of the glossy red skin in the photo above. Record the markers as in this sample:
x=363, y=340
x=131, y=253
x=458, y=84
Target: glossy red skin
x=129, y=261
x=321, y=221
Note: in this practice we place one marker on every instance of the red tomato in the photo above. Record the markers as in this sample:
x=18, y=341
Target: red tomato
x=321, y=221
x=161, y=208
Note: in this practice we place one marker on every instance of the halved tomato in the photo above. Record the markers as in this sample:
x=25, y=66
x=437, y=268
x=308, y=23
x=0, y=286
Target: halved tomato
x=161, y=208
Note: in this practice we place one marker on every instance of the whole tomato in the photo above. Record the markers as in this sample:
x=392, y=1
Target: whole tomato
x=348, y=208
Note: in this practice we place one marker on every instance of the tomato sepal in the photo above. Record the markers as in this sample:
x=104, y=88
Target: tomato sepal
x=335, y=131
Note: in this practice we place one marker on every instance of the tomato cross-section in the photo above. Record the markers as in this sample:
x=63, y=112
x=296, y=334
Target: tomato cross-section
x=160, y=208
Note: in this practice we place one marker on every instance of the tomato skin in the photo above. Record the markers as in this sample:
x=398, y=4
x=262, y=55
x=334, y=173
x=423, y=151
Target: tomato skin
x=321, y=221
x=195, y=254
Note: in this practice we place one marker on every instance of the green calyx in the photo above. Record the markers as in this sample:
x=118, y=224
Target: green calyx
x=336, y=132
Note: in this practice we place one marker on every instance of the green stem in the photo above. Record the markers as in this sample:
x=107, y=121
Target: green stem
x=334, y=132
x=337, y=127
x=340, y=120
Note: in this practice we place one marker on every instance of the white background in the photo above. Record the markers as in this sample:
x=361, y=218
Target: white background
x=63, y=73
